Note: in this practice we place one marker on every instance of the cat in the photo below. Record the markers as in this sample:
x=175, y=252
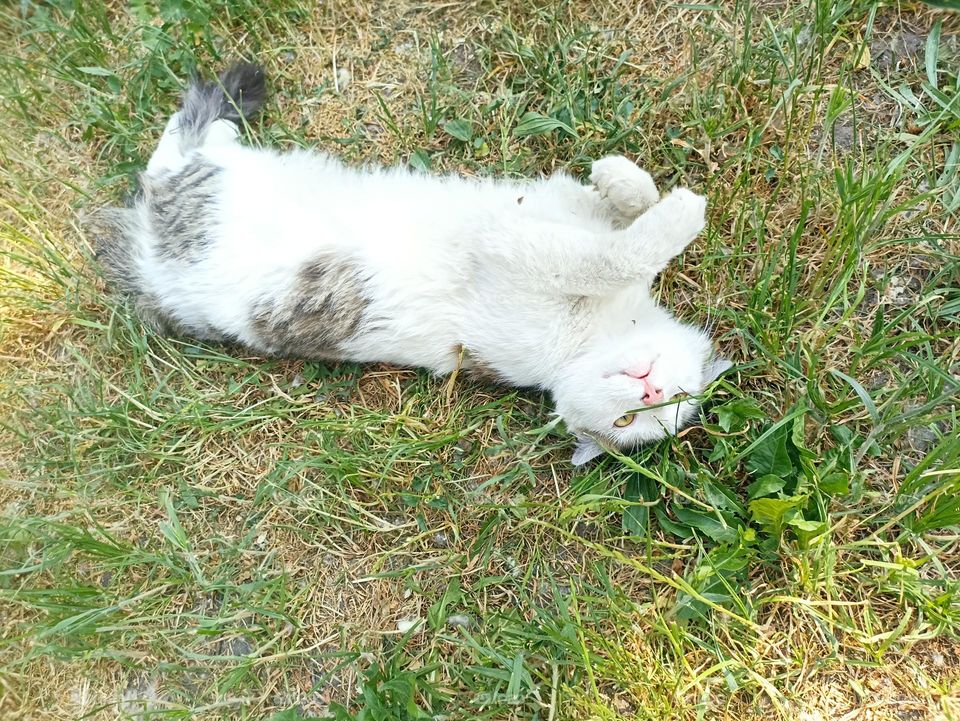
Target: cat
x=543, y=283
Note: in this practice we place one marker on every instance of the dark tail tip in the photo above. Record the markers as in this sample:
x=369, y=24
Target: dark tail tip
x=245, y=89
x=237, y=96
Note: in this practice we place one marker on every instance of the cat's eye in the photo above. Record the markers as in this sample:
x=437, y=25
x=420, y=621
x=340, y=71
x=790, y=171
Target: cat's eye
x=624, y=420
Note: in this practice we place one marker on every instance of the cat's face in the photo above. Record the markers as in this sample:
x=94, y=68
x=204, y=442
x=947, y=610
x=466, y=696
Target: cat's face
x=636, y=388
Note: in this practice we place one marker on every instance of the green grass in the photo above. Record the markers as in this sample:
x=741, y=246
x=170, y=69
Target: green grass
x=190, y=532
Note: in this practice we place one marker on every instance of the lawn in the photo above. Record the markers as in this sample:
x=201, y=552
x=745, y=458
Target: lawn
x=187, y=531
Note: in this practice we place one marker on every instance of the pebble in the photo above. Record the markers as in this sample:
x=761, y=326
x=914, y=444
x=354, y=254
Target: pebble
x=407, y=624
x=343, y=79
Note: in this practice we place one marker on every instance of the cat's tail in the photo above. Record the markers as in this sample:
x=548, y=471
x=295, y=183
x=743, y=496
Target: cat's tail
x=236, y=96
x=211, y=112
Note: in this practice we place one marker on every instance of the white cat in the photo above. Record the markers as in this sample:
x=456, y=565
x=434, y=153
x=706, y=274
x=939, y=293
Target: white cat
x=542, y=283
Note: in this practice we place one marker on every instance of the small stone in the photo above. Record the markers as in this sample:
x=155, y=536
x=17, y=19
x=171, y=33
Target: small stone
x=407, y=624
x=587, y=530
x=343, y=79
x=460, y=619
x=876, y=380
x=237, y=646
x=297, y=381
x=844, y=136
x=921, y=438
x=439, y=540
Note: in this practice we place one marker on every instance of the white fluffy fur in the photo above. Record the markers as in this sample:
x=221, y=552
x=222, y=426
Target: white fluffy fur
x=546, y=282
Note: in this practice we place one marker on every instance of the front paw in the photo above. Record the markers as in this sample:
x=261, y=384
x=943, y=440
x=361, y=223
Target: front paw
x=679, y=217
x=627, y=187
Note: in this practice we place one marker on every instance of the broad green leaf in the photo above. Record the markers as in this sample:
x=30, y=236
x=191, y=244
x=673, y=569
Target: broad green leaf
x=636, y=519
x=932, y=53
x=805, y=529
x=765, y=486
x=420, y=160
x=805, y=525
x=770, y=458
x=709, y=525
x=533, y=123
x=771, y=513
x=836, y=483
x=671, y=526
x=460, y=129
x=720, y=497
x=732, y=416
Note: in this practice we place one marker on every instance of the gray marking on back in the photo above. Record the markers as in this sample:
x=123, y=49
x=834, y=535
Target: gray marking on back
x=181, y=207
x=325, y=308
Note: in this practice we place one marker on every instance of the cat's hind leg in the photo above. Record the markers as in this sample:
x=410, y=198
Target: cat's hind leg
x=626, y=187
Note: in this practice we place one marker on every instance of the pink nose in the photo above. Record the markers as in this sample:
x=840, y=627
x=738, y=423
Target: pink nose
x=651, y=395
x=640, y=371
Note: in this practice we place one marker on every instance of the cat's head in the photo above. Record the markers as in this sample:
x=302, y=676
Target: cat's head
x=638, y=386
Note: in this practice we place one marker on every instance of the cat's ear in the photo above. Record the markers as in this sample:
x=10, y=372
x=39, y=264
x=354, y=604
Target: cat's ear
x=716, y=367
x=586, y=450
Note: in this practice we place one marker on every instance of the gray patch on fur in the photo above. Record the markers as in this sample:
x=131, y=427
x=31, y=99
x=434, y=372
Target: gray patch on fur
x=112, y=231
x=325, y=308
x=181, y=209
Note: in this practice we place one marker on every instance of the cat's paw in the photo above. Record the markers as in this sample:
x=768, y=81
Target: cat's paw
x=627, y=187
x=679, y=217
